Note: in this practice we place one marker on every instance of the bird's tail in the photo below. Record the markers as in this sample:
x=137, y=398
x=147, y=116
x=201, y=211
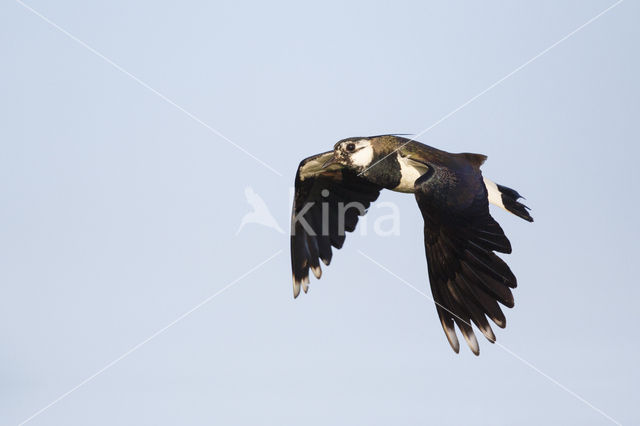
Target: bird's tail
x=507, y=199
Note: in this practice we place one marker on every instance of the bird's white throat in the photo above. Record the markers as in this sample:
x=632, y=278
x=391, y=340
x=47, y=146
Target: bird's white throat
x=363, y=156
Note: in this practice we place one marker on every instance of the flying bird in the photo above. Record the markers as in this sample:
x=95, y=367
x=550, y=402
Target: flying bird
x=467, y=279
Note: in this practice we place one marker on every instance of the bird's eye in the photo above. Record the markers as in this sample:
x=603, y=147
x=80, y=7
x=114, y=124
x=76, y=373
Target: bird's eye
x=351, y=147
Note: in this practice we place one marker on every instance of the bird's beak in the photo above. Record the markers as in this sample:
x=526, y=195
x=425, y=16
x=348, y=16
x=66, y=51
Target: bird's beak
x=329, y=162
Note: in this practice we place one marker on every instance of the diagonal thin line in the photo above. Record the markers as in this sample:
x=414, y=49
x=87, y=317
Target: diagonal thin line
x=145, y=85
x=509, y=351
x=496, y=83
x=148, y=339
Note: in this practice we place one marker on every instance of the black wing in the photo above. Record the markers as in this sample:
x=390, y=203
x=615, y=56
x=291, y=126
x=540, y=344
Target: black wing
x=467, y=278
x=322, y=213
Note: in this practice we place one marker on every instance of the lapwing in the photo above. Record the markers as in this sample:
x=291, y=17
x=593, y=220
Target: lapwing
x=467, y=278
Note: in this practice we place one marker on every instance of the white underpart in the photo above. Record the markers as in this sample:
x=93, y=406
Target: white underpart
x=363, y=157
x=410, y=173
x=494, y=196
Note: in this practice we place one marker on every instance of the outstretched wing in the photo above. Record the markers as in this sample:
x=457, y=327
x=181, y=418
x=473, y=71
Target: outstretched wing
x=327, y=203
x=467, y=278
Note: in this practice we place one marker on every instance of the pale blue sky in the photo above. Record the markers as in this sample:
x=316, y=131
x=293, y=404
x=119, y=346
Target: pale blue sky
x=119, y=212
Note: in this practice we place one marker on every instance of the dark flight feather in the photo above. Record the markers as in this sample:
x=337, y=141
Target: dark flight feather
x=333, y=187
x=467, y=278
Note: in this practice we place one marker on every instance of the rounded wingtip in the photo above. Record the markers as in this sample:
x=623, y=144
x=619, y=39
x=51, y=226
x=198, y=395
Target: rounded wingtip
x=472, y=342
x=296, y=289
x=500, y=322
x=453, y=341
x=300, y=283
x=488, y=333
x=317, y=271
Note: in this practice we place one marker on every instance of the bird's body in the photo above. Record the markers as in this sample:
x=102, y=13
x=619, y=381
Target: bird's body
x=467, y=279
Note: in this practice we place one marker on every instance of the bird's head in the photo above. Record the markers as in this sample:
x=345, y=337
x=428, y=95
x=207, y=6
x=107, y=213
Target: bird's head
x=354, y=153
